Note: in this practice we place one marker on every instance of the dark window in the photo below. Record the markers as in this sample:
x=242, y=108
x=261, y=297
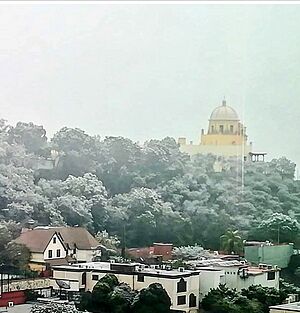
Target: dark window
x=140, y=277
x=58, y=253
x=54, y=239
x=95, y=277
x=222, y=128
x=192, y=300
x=49, y=254
x=181, y=285
x=83, y=279
x=212, y=129
x=271, y=276
x=231, y=128
x=74, y=251
x=181, y=300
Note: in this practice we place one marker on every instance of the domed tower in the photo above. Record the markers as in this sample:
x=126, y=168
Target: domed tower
x=226, y=136
x=224, y=128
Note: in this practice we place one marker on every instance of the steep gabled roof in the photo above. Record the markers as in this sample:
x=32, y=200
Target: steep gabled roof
x=77, y=237
x=38, y=238
x=35, y=240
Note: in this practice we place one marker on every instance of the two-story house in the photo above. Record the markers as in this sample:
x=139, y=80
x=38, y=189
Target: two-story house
x=51, y=246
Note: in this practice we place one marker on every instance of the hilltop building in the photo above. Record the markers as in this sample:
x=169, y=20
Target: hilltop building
x=226, y=136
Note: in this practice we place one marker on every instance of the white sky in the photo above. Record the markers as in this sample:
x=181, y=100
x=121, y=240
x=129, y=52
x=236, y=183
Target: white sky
x=149, y=71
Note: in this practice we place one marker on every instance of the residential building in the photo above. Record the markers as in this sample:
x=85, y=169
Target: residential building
x=226, y=136
x=198, y=281
x=157, y=253
x=240, y=275
x=286, y=308
x=58, y=245
x=181, y=285
x=210, y=278
x=257, y=252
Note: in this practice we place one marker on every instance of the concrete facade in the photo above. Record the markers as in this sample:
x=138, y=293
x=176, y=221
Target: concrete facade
x=286, y=308
x=267, y=253
x=239, y=275
x=137, y=276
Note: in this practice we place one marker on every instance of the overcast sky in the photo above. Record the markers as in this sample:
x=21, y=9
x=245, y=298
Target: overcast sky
x=149, y=71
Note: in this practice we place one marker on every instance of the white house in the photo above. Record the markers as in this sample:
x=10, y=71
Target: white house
x=239, y=275
x=181, y=285
x=58, y=245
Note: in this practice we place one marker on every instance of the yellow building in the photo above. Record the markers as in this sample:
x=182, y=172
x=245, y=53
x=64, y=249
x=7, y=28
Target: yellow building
x=226, y=136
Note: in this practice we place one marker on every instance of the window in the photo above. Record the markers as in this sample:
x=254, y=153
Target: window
x=192, y=300
x=83, y=279
x=181, y=300
x=140, y=277
x=49, y=254
x=212, y=129
x=271, y=276
x=58, y=253
x=231, y=128
x=54, y=239
x=221, y=128
x=95, y=277
x=181, y=285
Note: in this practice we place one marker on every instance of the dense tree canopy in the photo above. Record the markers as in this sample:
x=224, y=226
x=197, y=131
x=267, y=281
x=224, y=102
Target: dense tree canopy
x=111, y=296
x=153, y=299
x=144, y=193
x=255, y=299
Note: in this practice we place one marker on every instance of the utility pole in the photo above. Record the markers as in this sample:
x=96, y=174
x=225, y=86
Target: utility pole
x=123, y=242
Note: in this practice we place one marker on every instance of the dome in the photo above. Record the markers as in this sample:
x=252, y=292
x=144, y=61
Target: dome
x=224, y=113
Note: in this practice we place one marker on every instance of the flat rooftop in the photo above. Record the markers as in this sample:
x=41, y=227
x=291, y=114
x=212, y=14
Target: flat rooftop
x=21, y=308
x=216, y=263
x=292, y=307
x=121, y=267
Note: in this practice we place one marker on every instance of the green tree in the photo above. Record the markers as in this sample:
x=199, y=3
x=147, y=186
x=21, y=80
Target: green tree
x=231, y=242
x=279, y=228
x=108, y=296
x=264, y=295
x=121, y=299
x=153, y=299
x=32, y=136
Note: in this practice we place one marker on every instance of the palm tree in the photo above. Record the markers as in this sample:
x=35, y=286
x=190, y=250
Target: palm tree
x=231, y=242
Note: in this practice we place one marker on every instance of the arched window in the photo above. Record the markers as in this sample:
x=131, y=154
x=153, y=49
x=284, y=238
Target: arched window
x=181, y=285
x=221, y=129
x=212, y=128
x=192, y=300
x=83, y=279
x=231, y=128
